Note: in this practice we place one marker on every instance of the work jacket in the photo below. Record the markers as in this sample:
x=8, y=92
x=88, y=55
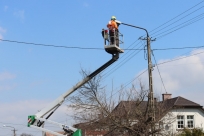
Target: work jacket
x=112, y=25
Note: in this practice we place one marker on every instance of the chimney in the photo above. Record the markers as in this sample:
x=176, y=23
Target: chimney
x=166, y=96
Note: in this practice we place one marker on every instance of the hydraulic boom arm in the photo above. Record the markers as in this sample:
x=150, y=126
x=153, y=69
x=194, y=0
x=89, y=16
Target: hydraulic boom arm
x=35, y=121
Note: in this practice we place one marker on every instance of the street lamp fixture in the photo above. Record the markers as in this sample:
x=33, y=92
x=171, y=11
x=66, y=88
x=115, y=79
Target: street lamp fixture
x=14, y=130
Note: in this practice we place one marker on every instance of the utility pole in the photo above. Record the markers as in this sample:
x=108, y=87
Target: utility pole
x=150, y=110
x=150, y=106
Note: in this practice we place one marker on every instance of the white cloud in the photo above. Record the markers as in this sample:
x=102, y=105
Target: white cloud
x=2, y=30
x=20, y=14
x=6, y=76
x=184, y=77
x=85, y=4
x=5, y=8
x=18, y=111
x=6, y=87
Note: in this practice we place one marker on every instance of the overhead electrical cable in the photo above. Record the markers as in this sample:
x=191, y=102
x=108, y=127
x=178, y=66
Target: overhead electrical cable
x=121, y=63
x=157, y=65
x=178, y=29
x=178, y=20
x=64, y=46
x=197, y=17
x=180, y=58
x=132, y=49
x=183, y=25
x=50, y=45
x=194, y=20
x=86, y=48
x=159, y=71
x=102, y=48
x=178, y=48
x=81, y=48
x=177, y=16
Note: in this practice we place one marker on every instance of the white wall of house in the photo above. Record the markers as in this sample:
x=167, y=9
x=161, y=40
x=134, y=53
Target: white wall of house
x=177, y=119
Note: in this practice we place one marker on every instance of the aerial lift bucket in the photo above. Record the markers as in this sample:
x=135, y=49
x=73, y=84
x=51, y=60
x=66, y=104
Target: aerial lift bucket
x=113, y=42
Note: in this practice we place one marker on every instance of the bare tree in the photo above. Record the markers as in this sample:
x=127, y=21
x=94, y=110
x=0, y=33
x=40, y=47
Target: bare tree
x=95, y=109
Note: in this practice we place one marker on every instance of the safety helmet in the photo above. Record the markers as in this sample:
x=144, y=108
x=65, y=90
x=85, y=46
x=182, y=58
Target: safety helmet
x=113, y=18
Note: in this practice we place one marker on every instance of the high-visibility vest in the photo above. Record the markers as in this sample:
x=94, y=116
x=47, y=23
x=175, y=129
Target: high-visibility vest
x=112, y=25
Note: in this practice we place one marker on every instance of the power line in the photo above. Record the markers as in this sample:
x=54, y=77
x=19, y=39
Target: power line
x=180, y=28
x=122, y=63
x=162, y=63
x=57, y=46
x=179, y=48
x=50, y=45
x=103, y=49
x=159, y=71
x=177, y=16
x=179, y=19
x=87, y=48
x=199, y=17
x=157, y=67
x=180, y=58
x=194, y=20
x=91, y=48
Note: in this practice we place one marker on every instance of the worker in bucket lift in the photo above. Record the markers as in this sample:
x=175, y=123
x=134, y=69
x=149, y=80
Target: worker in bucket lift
x=113, y=31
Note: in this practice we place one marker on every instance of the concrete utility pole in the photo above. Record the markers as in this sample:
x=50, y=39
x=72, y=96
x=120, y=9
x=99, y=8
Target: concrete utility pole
x=150, y=107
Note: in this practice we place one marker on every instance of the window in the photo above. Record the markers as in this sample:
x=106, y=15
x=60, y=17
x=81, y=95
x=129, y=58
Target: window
x=180, y=121
x=161, y=125
x=190, y=121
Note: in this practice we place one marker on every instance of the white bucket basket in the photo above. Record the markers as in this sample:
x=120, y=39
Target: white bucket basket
x=112, y=43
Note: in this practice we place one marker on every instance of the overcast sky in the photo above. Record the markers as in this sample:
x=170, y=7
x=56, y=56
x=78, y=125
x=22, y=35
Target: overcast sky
x=33, y=75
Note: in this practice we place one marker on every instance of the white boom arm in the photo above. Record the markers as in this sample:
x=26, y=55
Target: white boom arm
x=35, y=121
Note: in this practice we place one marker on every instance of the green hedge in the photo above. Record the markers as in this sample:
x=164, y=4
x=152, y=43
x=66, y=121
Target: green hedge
x=192, y=132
